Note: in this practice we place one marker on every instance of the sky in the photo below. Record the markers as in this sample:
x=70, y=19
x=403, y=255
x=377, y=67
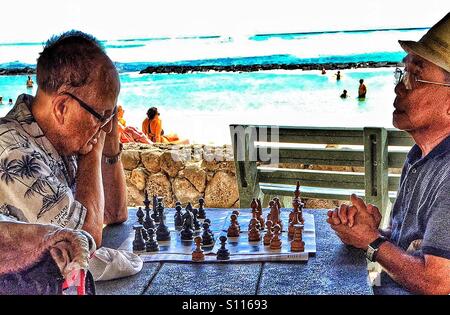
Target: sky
x=37, y=20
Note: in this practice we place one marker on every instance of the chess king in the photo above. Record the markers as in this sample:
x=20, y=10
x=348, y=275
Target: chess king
x=414, y=250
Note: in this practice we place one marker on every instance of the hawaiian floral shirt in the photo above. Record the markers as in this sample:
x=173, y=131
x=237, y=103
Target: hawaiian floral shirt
x=37, y=185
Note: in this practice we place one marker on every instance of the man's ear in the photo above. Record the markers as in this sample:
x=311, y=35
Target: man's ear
x=60, y=108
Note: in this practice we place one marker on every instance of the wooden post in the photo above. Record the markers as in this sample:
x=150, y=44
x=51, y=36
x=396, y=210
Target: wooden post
x=376, y=167
x=245, y=158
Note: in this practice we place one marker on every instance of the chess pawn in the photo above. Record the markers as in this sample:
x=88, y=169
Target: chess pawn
x=201, y=210
x=297, y=244
x=178, y=219
x=275, y=243
x=146, y=200
x=222, y=252
x=253, y=233
x=140, y=215
x=187, y=233
x=138, y=242
x=233, y=230
x=269, y=234
x=197, y=254
x=196, y=222
x=236, y=212
x=207, y=238
x=151, y=245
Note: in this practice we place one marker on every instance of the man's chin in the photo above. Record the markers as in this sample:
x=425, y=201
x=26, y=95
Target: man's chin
x=85, y=149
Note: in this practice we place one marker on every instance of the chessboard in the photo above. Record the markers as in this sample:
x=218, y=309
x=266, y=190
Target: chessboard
x=180, y=235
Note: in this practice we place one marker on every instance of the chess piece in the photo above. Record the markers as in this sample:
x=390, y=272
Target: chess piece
x=201, y=210
x=269, y=234
x=294, y=217
x=146, y=200
x=253, y=232
x=155, y=215
x=151, y=245
x=197, y=226
x=138, y=242
x=209, y=228
x=162, y=232
x=148, y=222
x=144, y=234
x=297, y=244
x=260, y=214
x=189, y=207
x=222, y=252
x=233, y=230
x=178, y=219
x=236, y=212
x=207, y=238
x=140, y=215
x=187, y=233
x=197, y=254
x=275, y=243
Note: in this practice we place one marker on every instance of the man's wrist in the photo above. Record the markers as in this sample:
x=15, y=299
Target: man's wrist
x=373, y=248
x=113, y=159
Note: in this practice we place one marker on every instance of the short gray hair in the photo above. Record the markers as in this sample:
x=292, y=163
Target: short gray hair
x=69, y=59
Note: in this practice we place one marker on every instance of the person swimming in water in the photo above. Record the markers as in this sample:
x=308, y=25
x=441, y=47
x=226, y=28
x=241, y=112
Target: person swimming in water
x=152, y=128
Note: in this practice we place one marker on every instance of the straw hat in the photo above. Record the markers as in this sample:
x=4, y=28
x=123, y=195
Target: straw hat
x=434, y=46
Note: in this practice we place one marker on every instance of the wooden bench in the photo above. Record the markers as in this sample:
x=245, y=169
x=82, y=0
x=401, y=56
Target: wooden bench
x=258, y=151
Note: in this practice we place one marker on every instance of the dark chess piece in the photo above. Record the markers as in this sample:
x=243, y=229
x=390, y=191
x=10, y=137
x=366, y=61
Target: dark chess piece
x=146, y=200
x=187, y=233
x=162, y=232
x=178, y=219
x=197, y=226
x=206, y=236
x=144, y=234
x=209, y=227
x=177, y=203
x=222, y=252
x=138, y=242
x=151, y=245
x=189, y=207
x=201, y=210
x=155, y=215
x=140, y=215
x=148, y=222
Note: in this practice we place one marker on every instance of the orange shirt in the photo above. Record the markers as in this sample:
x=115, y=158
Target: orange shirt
x=153, y=129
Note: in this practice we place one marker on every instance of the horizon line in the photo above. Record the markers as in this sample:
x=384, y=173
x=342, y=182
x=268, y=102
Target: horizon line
x=231, y=36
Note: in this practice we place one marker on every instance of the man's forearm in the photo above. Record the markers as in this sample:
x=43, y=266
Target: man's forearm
x=115, y=192
x=90, y=194
x=410, y=271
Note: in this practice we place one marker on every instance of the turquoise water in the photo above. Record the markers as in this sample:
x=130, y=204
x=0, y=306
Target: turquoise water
x=200, y=106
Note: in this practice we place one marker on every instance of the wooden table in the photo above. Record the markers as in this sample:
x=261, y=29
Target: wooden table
x=335, y=269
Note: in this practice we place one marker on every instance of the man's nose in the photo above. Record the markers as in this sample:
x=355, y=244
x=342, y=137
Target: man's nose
x=400, y=89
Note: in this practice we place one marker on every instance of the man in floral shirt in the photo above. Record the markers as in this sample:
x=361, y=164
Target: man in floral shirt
x=59, y=151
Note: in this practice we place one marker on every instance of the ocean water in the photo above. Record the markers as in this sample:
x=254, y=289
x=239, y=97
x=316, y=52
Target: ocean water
x=200, y=106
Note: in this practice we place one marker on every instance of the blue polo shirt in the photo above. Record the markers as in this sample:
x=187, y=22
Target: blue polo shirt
x=421, y=212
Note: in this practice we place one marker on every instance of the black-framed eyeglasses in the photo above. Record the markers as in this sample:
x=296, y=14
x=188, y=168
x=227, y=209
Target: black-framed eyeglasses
x=104, y=119
x=409, y=79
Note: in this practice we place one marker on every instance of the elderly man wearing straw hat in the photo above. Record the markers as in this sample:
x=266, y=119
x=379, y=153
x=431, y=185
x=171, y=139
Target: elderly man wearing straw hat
x=414, y=251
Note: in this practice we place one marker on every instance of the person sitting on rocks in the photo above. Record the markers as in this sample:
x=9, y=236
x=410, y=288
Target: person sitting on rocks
x=152, y=127
x=129, y=133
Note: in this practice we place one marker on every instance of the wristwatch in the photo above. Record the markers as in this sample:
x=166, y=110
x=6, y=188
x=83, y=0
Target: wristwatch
x=372, y=250
x=113, y=159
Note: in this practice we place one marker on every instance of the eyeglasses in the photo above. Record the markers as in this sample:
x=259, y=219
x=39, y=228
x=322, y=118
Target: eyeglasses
x=104, y=119
x=410, y=79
